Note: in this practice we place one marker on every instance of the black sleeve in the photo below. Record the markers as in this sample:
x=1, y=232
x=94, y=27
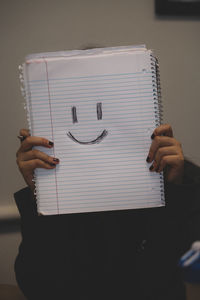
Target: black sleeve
x=25, y=203
x=183, y=204
x=183, y=198
x=27, y=207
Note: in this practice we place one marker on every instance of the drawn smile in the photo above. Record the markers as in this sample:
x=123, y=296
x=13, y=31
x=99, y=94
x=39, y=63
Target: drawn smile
x=95, y=141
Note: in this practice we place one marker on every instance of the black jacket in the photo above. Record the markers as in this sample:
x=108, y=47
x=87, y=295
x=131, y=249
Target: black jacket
x=130, y=254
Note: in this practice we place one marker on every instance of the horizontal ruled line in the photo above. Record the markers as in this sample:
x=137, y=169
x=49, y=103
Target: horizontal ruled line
x=35, y=89
x=103, y=177
x=115, y=170
x=115, y=195
x=96, y=92
x=145, y=100
x=110, y=206
x=87, y=189
x=95, y=96
x=114, y=123
x=91, y=186
x=91, y=77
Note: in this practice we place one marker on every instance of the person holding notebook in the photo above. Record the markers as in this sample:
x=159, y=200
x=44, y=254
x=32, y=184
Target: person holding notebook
x=125, y=254
x=99, y=107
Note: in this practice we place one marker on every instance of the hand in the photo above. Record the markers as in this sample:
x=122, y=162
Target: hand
x=28, y=159
x=166, y=154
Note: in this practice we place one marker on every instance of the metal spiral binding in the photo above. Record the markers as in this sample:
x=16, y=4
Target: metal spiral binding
x=156, y=90
x=158, y=108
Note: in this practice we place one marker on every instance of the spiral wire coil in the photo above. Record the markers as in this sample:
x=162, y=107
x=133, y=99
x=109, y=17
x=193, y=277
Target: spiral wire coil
x=158, y=107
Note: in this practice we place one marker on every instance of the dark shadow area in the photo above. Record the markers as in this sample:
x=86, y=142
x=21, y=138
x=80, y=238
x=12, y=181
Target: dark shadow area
x=178, y=8
x=177, y=18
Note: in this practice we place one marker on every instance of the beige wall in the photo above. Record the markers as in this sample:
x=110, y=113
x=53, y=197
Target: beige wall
x=8, y=250
x=48, y=25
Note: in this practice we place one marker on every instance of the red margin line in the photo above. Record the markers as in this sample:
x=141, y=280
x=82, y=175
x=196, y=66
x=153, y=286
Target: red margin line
x=51, y=129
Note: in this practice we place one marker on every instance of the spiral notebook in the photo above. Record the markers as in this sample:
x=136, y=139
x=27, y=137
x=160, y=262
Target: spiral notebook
x=99, y=107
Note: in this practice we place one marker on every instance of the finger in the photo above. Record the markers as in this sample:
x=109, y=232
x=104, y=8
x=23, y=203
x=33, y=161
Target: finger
x=166, y=151
x=27, y=167
x=32, y=141
x=21, y=138
x=24, y=132
x=160, y=141
x=164, y=129
x=36, y=154
x=169, y=160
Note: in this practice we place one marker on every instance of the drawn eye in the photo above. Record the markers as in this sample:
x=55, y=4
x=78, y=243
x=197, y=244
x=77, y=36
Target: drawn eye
x=99, y=111
x=74, y=115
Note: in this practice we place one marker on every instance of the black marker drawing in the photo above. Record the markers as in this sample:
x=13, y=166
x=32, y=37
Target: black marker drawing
x=99, y=111
x=75, y=120
x=74, y=115
x=95, y=141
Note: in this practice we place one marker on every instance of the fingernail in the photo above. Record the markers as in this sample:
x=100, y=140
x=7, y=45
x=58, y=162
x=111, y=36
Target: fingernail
x=151, y=168
x=52, y=165
x=56, y=160
x=152, y=136
x=21, y=138
x=148, y=159
x=50, y=143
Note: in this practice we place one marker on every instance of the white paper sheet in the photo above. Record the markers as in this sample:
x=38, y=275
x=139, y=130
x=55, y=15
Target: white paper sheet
x=99, y=111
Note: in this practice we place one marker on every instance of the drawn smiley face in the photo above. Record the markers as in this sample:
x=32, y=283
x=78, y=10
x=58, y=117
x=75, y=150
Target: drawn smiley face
x=99, y=138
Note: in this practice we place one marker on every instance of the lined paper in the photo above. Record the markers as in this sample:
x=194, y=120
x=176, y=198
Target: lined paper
x=99, y=110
